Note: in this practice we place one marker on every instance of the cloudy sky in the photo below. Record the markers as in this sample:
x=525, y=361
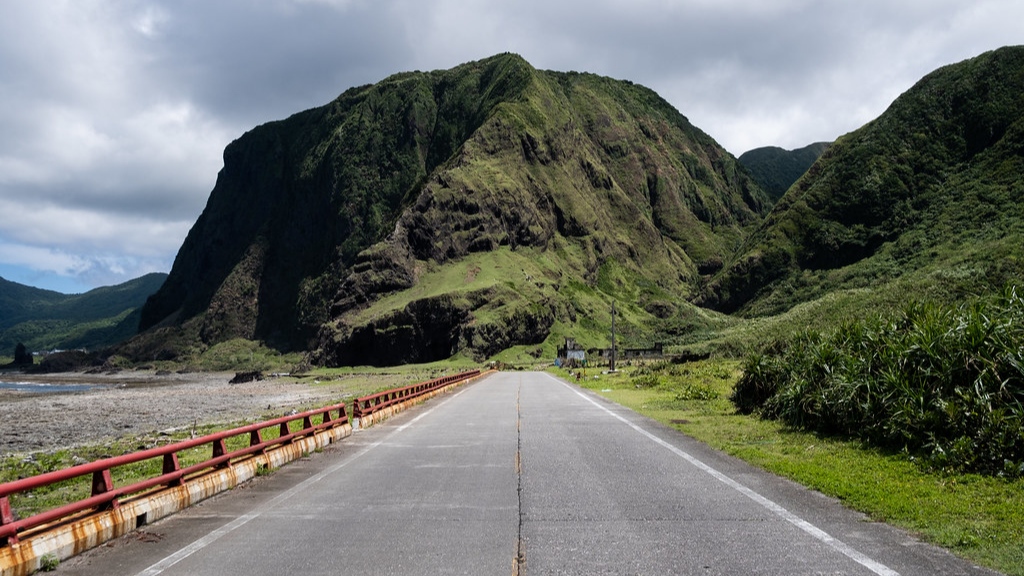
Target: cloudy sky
x=114, y=114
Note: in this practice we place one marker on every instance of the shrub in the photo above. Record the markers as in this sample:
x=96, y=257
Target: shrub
x=943, y=382
x=692, y=391
x=646, y=381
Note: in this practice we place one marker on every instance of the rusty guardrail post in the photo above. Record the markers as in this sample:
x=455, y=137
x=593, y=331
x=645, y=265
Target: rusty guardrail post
x=171, y=466
x=7, y=517
x=102, y=483
x=220, y=448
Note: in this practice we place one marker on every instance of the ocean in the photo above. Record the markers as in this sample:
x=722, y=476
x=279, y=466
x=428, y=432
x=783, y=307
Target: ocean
x=45, y=388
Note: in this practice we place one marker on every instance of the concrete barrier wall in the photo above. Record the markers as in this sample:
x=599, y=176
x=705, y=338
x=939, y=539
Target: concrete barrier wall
x=385, y=413
x=74, y=537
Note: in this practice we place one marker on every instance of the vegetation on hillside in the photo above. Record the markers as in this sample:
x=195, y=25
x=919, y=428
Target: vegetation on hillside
x=929, y=192
x=583, y=175
x=318, y=220
x=775, y=169
x=501, y=208
x=47, y=320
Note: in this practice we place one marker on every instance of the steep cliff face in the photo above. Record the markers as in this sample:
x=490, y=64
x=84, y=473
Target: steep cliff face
x=307, y=194
x=317, y=222
x=936, y=177
x=606, y=168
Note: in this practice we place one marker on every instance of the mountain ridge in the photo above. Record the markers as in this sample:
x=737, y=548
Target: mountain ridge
x=467, y=211
x=776, y=169
x=45, y=319
x=901, y=188
x=423, y=170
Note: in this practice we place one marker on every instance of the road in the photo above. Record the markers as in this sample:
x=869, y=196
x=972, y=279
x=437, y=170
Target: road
x=518, y=473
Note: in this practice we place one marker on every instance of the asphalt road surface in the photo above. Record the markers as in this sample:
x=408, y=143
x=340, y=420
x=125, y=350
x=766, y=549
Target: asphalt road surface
x=519, y=473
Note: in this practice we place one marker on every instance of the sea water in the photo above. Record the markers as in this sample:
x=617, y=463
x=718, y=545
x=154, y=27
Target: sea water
x=45, y=388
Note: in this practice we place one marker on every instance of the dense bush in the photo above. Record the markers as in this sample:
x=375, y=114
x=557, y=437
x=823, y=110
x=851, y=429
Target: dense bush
x=946, y=383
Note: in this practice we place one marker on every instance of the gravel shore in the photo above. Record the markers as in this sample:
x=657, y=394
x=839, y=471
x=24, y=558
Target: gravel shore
x=140, y=403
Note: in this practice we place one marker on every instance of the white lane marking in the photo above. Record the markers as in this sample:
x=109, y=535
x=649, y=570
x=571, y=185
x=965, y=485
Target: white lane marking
x=212, y=537
x=818, y=533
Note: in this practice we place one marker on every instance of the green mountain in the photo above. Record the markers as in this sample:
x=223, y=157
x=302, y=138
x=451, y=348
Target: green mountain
x=925, y=200
x=457, y=211
x=776, y=169
x=44, y=320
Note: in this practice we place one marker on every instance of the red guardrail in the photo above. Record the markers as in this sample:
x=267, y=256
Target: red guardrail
x=105, y=496
x=367, y=405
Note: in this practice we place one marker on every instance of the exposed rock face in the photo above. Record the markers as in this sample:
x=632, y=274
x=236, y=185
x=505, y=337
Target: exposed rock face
x=423, y=331
x=318, y=219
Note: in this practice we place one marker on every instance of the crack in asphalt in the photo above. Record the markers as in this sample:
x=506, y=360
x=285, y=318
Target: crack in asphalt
x=519, y=562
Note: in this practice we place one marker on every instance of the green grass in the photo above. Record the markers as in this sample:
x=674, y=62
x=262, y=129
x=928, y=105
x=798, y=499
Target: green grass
x=363, y=380
x=48, y=562
x=476, y=271
x=977, y=517
x=500, y=286
x=235, y=355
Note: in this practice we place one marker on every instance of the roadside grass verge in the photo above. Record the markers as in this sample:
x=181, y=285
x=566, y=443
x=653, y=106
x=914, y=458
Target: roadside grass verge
x=977, y=517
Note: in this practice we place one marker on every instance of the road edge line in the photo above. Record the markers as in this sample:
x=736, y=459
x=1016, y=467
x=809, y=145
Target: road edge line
x=779, y=510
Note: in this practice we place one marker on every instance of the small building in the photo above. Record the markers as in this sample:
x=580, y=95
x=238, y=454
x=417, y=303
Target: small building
x=572, y=354
x=655, y=351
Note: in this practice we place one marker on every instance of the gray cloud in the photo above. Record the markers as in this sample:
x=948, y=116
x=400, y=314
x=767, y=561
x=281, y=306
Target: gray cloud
x=270, y=59
x=113, y=116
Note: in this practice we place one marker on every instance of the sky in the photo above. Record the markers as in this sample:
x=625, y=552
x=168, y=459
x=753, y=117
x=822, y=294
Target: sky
x=114, y=114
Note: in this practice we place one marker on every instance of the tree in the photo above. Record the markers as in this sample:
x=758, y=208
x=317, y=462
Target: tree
x=21, y=356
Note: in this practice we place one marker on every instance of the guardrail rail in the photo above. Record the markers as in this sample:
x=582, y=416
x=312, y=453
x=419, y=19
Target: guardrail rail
x=105, y=496
x=368, y=405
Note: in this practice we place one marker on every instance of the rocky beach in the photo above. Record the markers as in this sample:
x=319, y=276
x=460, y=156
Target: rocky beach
x=144, y=403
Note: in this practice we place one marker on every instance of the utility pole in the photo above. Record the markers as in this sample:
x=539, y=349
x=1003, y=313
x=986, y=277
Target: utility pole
x=611, y=364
